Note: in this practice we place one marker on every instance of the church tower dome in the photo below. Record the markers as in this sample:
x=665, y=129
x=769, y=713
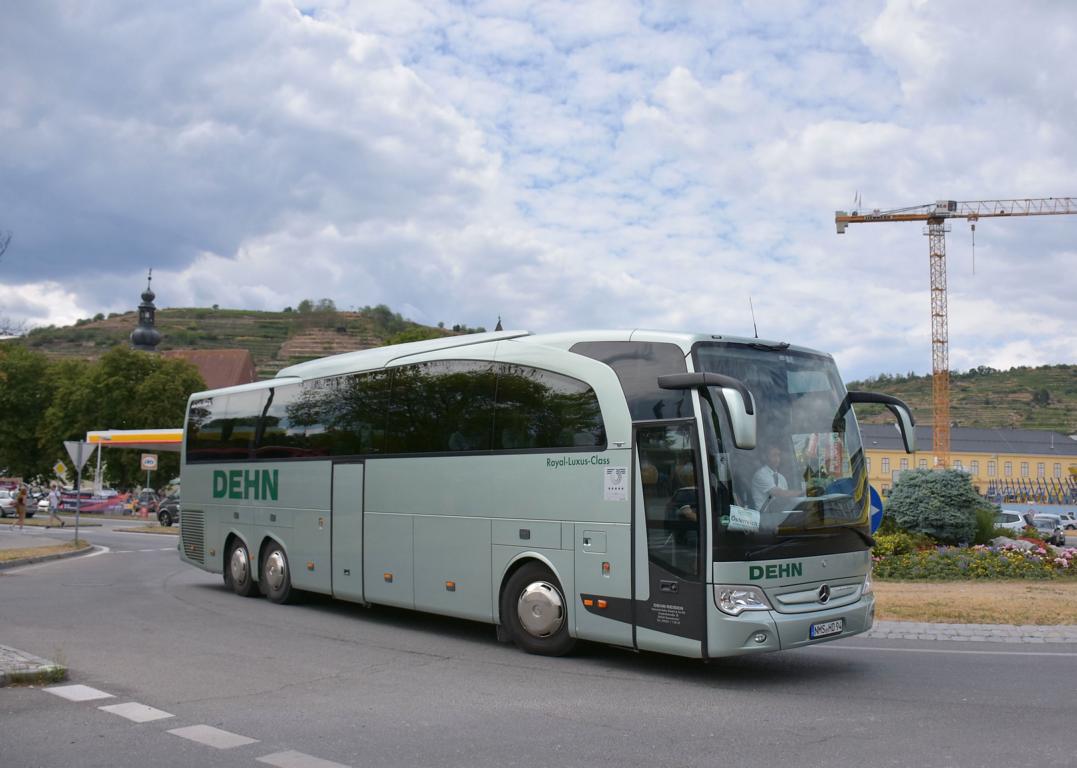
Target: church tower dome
x=146, y=337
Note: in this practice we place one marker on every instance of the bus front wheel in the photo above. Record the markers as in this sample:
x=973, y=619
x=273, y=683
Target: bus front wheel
x=237, y=570
x=276, y=576
x=534, y=610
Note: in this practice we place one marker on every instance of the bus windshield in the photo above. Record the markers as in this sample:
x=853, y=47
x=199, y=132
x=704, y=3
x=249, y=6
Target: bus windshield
x=803, y=490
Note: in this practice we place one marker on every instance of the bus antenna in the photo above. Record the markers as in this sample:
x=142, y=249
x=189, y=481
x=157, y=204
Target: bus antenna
x=754, y=326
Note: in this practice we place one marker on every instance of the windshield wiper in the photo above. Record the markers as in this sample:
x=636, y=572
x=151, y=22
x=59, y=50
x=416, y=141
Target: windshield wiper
x=787, y=539
x=827, y=533
x=781, y=345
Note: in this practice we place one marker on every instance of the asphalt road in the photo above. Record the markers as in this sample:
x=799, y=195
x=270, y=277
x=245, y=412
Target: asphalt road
x=326, y=681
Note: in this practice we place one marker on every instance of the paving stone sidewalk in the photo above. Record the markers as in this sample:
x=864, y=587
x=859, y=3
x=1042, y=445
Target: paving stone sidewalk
x=21, y=667
x=981, y=633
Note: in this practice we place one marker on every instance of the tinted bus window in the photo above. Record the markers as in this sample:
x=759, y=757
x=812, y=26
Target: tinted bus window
x=638, y=364
x=223, y=428
x=340, y=416
x=540, y=409
x=291, y=412
x=352, y=413
x=441, y=406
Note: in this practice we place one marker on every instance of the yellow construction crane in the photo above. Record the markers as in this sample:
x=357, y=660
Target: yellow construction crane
x=937, y=216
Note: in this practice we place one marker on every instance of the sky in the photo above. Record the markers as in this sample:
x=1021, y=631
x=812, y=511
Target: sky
x=562, y=165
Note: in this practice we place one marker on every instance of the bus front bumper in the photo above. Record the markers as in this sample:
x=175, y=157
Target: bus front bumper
x=762, y=631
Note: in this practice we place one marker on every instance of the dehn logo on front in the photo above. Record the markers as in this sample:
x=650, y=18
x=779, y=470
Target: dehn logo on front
x=260, y=484
x=779, y=571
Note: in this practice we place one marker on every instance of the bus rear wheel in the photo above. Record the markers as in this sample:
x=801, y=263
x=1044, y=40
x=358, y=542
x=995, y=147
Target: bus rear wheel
x=276, y=576
x=237, y=570
x=534, y=609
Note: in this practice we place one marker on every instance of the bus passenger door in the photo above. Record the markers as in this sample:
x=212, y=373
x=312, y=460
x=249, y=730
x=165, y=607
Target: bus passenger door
x=670, y=610
x=347, y=531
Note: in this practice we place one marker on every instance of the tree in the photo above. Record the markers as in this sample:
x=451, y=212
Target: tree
x=942, y=504
x=123, y=390
x=1041, y=397
x=25, y=393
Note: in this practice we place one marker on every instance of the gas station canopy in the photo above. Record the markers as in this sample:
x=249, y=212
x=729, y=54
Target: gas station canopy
x=145, y=439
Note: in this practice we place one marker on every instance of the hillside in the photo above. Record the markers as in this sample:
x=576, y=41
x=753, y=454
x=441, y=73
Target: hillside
x=1025, y=398
x=275, y=339
x=1021, y=398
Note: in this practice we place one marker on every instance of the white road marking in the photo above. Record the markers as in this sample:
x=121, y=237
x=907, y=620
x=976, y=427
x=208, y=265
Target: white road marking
x=78, y=692
x=213, y=737
x=138, y=713
x=293, y=759
x=944, y=650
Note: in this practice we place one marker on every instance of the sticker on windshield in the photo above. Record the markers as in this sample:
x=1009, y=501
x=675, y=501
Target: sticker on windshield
x=616, y=484
x=742, y=519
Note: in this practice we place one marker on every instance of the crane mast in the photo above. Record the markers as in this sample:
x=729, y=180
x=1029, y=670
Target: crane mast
x=936, y=216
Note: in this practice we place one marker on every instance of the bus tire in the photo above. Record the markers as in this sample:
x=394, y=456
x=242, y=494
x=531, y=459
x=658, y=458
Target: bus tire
x=535, y=612
x=276, y=575
x=237, y=570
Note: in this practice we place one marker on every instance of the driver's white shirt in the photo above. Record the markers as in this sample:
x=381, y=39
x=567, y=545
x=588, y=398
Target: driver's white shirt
x=765, y=479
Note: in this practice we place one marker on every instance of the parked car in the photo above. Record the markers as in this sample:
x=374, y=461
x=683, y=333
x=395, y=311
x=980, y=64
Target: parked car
x=1010, y=520
x=168, y=510
x=1069, y=521
x=1050, y=527
x=7, y=503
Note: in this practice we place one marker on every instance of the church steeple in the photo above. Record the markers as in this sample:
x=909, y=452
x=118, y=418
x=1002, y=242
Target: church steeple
x=146, y=337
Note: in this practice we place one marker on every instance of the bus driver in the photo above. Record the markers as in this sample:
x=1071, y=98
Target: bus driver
x=768, y=483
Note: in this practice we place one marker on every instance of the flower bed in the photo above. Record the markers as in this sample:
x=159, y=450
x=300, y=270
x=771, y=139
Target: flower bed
x=979, y=562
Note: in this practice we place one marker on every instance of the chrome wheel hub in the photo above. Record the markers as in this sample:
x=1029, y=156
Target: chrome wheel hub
x=276, y=570
x=540, y=609
x=239, y=566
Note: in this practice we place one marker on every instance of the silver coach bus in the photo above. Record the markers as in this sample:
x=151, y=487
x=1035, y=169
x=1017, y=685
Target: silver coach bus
x=691, y=494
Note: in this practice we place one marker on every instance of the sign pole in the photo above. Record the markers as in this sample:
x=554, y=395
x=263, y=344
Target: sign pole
x=97, y=474
x=78, y=495
x=75, y=450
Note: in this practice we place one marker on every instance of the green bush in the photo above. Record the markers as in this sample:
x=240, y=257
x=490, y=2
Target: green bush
x=941, y=504
x=985, y=525
x=888, y=544
x=900, y=543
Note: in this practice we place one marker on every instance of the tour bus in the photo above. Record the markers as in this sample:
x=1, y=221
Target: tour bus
x=697, y=495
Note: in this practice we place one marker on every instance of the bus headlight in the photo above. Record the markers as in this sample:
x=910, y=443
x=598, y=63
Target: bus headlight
x=735, y=599
x=869, y=586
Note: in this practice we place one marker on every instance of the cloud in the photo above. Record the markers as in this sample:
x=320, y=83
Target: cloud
x=565, y=165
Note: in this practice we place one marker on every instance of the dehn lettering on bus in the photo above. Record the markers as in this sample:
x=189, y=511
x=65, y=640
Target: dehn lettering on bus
x=260, y=484
x=593, y=460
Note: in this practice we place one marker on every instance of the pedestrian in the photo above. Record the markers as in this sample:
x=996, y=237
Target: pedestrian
x=20, y=505
x=54, y=505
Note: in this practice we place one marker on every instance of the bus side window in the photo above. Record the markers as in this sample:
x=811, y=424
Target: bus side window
x=441, y=406
x=542, y=409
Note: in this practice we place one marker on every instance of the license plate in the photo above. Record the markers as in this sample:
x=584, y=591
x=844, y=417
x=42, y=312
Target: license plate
x=825, y=628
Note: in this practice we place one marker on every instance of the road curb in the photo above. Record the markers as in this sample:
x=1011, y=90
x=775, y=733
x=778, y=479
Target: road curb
x=44, y=558
x=22, y=668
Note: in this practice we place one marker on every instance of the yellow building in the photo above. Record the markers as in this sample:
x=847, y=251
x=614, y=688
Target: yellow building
x=1023, y=465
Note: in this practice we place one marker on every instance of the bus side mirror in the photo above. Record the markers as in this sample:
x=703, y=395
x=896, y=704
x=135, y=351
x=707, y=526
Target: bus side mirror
x=901, y=412
x=736, y=399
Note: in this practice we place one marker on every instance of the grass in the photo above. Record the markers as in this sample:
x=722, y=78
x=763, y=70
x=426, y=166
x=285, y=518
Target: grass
x=988, y=602
x=173, y=530
x=7, y=555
